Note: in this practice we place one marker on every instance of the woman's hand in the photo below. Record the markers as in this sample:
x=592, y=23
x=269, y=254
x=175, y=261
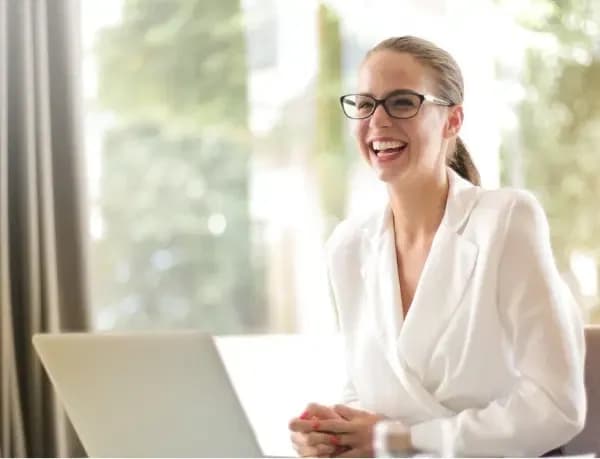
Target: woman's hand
x=353, y=429
x=309, y=442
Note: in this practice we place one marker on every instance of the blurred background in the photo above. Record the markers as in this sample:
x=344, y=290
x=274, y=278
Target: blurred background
x=219, y=160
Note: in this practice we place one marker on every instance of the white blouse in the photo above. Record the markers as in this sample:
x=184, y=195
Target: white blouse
x=492, y=350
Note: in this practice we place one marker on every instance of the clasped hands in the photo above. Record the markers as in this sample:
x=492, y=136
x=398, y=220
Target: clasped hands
x=338, y=431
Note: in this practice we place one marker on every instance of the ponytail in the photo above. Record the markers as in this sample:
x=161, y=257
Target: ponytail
x=462, y=163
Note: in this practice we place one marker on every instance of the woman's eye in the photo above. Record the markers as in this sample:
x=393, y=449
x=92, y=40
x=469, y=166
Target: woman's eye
x=365, y=105
x=402, y=102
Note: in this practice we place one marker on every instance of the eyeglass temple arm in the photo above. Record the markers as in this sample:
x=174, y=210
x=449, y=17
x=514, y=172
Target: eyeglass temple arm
x=437, y=100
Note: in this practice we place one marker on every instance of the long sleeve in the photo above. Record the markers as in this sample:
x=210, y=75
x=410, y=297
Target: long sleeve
x=543, y=329
x=349, y=396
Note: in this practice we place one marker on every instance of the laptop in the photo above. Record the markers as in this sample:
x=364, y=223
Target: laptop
x=149, y=394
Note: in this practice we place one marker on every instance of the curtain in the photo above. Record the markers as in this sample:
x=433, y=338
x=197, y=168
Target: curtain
x=43, y=279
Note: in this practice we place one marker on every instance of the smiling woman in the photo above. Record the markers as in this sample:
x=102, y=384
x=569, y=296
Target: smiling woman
x=442, y=277
x=406, y=103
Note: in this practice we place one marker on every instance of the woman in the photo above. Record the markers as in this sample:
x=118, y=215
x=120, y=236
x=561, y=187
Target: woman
x=457, y=324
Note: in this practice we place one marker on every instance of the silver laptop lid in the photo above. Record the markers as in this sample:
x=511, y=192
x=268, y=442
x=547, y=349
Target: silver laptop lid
x=154, y=394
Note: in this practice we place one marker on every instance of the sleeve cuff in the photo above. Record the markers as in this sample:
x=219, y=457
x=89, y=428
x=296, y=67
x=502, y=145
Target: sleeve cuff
x=434, y=436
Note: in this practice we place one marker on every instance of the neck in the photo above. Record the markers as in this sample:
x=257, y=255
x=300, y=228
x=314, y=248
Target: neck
x=418, y=209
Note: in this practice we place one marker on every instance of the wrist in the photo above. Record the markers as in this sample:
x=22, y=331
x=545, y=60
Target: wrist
x=391, y=439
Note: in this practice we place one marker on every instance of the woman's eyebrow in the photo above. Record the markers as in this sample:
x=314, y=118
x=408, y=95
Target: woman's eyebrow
x=389, y=93
x=400, y=91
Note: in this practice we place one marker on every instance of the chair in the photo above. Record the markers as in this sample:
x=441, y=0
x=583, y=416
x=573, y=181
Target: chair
x=588, y=441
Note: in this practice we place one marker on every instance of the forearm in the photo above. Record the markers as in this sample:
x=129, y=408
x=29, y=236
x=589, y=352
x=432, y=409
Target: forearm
x=525, y=423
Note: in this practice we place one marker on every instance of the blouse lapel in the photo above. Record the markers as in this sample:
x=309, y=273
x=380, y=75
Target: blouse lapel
x=446, y=273
x=408, y=343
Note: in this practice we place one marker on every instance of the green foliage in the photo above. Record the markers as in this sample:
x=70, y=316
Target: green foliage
x=560, y=121
x=575, y=182
x=174, y=167
x=331, y=162
x=180, y=62
x=559, y=126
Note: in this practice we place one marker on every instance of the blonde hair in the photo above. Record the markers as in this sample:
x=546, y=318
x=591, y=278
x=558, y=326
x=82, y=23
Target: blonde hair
x=450, y=86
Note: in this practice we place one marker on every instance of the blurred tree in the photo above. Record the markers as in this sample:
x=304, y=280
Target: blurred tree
x=330, y=160
x=560, y=121
x=176, y=249
x=177, y=62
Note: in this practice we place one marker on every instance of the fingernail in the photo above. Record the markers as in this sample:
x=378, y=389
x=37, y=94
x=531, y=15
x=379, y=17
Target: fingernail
x=334, y=440
x=304, y=415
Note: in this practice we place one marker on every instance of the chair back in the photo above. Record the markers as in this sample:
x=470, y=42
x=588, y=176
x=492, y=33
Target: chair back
x=588, y=441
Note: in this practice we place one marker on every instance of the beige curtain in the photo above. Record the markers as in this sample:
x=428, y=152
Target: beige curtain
x=42, y=237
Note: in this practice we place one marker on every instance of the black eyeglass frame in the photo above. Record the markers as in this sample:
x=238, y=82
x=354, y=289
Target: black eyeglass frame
x=422, y=98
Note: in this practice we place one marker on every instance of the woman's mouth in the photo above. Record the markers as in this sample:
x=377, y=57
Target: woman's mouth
x=387, y=150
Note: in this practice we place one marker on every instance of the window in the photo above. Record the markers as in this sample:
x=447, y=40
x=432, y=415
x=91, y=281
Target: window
x=219, y=160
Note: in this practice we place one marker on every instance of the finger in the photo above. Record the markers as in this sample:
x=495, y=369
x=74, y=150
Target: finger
x=298, y=425
x=340, y=450
x=348, y=413
x=315, y=451
x=318, y=411
x=324, y=450
x=354, y=452
x=317, y=438
x=298, y=439
x=332, y=426
x=344, y=440
x=307, y=451
x=302, y=449
x=300, y=446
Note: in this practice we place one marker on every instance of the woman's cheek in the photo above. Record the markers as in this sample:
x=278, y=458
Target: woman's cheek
x=360, y=130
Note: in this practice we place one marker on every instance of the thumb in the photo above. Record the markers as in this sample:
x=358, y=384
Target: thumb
x=318, y=411
x=348, y=413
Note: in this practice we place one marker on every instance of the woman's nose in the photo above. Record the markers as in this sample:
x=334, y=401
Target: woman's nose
x=380, y=117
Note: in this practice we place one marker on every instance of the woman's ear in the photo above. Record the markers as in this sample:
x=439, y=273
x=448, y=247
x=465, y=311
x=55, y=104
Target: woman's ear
x=454, y=121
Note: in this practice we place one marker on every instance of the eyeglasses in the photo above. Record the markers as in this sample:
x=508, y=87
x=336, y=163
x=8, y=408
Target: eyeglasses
x=401, y=104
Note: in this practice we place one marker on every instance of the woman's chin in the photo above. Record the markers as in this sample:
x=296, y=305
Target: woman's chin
x=389, y=175
x=389, y=168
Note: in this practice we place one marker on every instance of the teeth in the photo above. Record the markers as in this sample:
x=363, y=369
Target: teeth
x=377, y=145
